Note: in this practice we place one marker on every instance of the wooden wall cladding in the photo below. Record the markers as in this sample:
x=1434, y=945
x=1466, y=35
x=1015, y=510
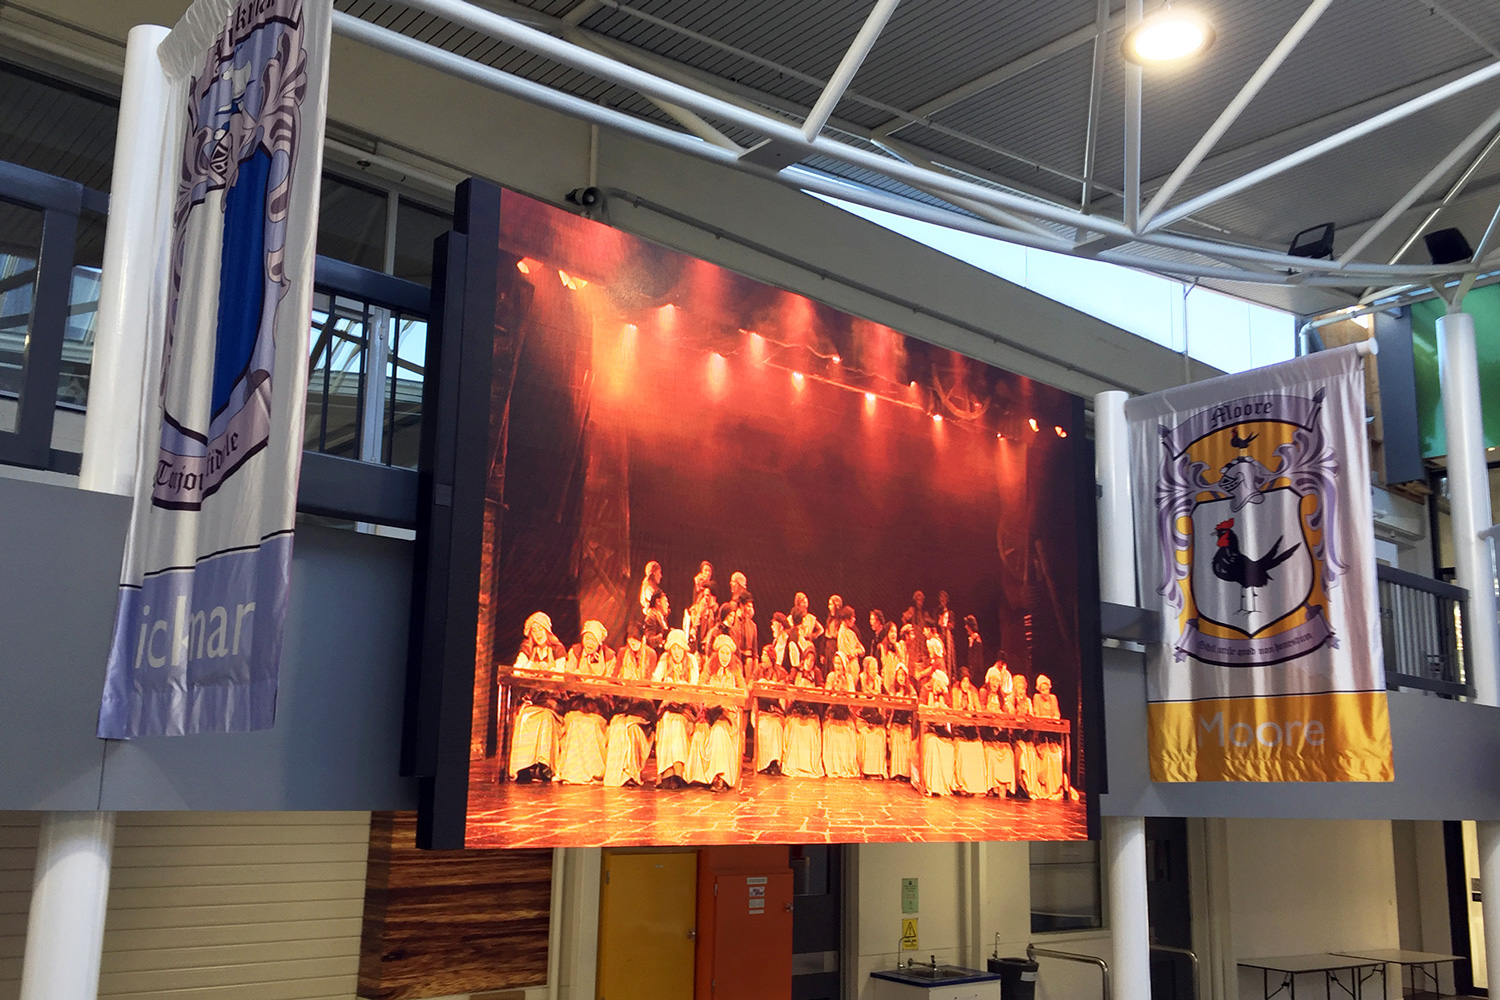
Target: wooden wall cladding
x=437, y=923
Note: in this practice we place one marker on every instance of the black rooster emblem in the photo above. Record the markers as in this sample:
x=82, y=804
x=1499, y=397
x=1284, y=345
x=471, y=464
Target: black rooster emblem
x=1239, y=442
x=1233, y=566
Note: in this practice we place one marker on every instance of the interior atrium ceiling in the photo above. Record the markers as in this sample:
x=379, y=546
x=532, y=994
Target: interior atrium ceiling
x=1011, y=119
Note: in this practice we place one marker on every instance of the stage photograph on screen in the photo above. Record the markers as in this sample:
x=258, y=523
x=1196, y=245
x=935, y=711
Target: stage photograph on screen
x=757, y=570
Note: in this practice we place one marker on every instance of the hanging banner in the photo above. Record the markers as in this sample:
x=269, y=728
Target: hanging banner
x=203, y=592
x=1256, y=545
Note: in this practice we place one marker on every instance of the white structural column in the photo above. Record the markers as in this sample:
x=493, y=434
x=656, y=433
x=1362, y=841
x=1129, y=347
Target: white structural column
x=112, y=424
x=1469, y=494
x=1488, y=836
x=69, y=895
x=1124, y=836
x=70, y=889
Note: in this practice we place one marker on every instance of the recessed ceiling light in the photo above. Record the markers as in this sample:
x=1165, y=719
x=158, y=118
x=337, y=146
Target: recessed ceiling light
x=1170, y=36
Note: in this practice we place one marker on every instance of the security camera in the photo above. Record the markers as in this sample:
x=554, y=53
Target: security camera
x=586, y=197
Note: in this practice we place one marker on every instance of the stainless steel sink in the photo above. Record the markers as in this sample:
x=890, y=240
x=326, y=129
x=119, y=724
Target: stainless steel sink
x=933, y=974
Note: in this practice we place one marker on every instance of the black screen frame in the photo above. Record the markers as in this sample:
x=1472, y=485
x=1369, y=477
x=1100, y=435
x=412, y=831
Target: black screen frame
x=452, y=480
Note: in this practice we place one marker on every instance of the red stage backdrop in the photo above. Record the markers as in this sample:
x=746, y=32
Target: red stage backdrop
x=648, y=412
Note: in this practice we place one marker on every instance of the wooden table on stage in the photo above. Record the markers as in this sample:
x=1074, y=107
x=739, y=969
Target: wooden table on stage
x=935, y=715
x=575, y=685
x=852, y=700
x=748, y=702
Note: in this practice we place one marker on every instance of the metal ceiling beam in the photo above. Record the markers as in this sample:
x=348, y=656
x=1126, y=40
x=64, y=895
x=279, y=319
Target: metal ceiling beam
x=997, y=76
x=917, y=154
x=1454, y=190
x=796, y=178
x=1134, y=14
x=1096, y=100
x=1232, y=112
x=654, y=86
x=1432, y=6
x=1438, y=172
x=848, y=66
x=1490, y=238
x=580, y=13
x=757, y=101
x=1004, y=218
x=1315, y=128
x=1316, y=149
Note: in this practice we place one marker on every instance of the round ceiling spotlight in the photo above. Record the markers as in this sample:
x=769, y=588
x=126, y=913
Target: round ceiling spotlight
x=1168, y=37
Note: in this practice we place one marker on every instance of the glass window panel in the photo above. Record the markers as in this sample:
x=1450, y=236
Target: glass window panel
x=83, y=313
x=1219, y=330
x=20, y=243
x=335, y=375
x=407, y=362
x=1065, y=894
x=416, y=228
x=351, y=223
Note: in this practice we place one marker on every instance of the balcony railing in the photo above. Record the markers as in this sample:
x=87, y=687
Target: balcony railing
x=1422, y=628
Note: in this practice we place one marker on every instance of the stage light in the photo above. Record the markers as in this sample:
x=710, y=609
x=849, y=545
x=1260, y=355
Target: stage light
x=1033, y=424
x=869, y=397
x=1314, y=242
x=1060, y=432
x=1447, y=246
x=937, y=418
x=836, y=359
x=1170, y=36
x=572, y=283
x=523, y=266
x=912, y=386
x=797, y=377
x=630, y=329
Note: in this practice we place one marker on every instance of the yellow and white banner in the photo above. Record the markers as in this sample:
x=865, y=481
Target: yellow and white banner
x=1255, y=534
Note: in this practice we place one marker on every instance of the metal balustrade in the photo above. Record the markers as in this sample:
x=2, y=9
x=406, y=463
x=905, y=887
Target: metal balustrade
x=1422, y=630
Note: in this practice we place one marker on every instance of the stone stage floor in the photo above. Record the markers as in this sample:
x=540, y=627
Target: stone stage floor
x=763, y=809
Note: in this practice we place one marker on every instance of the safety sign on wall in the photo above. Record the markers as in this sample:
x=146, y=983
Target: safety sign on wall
x=909, y=934
x=908, y=895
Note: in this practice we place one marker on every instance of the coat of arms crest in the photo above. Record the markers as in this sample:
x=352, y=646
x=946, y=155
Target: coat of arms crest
x=1246, y=494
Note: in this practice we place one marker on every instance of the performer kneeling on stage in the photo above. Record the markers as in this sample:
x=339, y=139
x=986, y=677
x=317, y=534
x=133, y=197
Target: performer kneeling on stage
x=629, y=742
x=674, y=727
x=581, y=760
x=714, y=756
x=536, y=725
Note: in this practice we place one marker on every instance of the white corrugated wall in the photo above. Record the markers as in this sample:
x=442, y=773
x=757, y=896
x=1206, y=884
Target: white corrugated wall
x=214, y=906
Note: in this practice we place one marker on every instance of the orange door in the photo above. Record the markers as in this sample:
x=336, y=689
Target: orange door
x=753, y=937
x=648, y=909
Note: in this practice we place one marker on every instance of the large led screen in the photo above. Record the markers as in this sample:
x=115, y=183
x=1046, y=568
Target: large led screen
x=751, y=569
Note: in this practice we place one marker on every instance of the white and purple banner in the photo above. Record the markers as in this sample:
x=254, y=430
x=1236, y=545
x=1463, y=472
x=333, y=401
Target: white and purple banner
x=203, y=593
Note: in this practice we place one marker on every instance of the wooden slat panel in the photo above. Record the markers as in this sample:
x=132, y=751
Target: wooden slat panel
x=234, y=906
x=317, y=988
x=163, y=836
x=199, y=895
x=287, y=871
x=214, y=856
x=265, y=928
x=426, y=913
x=247, y=916
x=17, y=860
x=169, y=960
x=262, y=971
